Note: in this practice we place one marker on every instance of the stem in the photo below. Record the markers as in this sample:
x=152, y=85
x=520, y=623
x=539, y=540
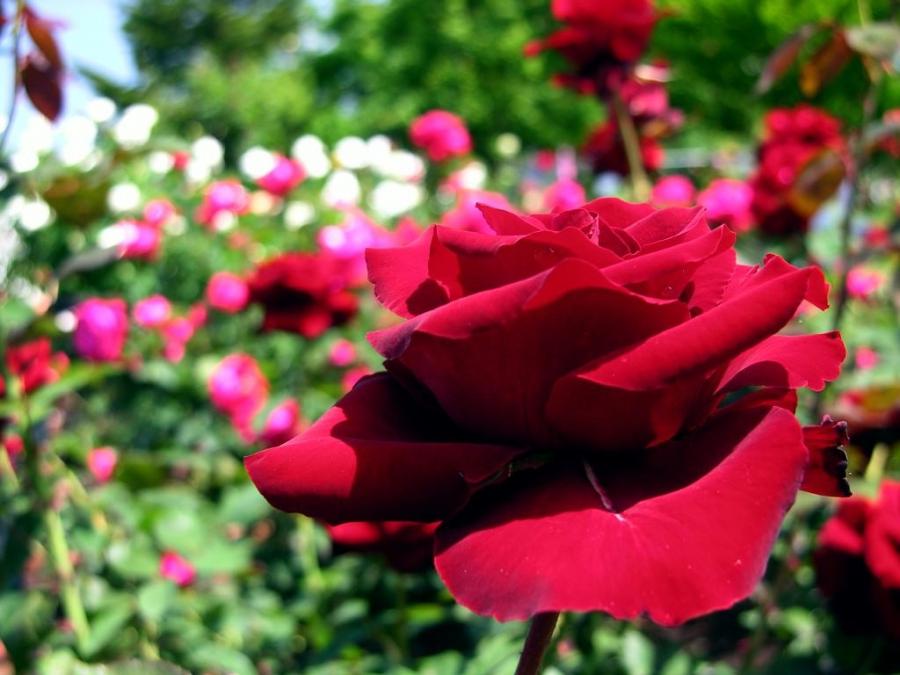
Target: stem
x=17, y=34
x=536, y=642
x=309, y=556
x=62, y=563
x=640, y=184
x=7, y=469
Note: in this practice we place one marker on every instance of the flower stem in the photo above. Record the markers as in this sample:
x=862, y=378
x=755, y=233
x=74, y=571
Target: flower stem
x=62, y=563
x=640, y=184
x=536, y=642
x=17, y=36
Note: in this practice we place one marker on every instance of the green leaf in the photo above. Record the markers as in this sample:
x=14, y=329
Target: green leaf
x=155, y=598
x=221, y=659
x=106, y=626
x=637, y=653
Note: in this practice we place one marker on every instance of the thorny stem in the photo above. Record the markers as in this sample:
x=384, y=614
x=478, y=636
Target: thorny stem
x=640, y=184
x=17, y=35
x=540, y=631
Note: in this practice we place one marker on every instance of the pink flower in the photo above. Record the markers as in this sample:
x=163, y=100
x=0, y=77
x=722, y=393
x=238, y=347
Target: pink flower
x=673, y=191
x=342, y=353
x=282, y=423
x=441, y=134
x=354, y=375
x=227, y=292
x=101, y=462
x=197, y=315
x=866, y=358
x=238, y=388
x=467, y=216
x=152, y=312
x=176, y=568
x=177, y=333
x=138, y=240
x=563, y=195
x=727, y=202
x=347, y=242
x=284, y=176
x=862, y=282
x=224, y=196
x=158, y=212
x=101, y=329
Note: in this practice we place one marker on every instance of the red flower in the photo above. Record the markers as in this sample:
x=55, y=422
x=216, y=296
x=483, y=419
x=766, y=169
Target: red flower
x=441, y=134
x=302, y=293
x=101, y=329
x=605, y=151
x=285, y=175
x=601, y=40
x=406, y=546
x=569, y=398
x=858, y=563
x=35, y=364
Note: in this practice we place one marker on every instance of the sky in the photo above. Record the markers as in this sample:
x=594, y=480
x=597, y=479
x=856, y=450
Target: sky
x=91, y=36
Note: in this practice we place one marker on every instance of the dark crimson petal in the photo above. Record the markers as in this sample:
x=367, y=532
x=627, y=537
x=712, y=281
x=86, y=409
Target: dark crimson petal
x=827, y=471
x=508, y=223
x=882, y=536
x=746, y=278
x=670, y=226
x=376, y=455
x=684, y=534
x=491, y=358
x=765, y=398
x=618, y=213
x=790, y=361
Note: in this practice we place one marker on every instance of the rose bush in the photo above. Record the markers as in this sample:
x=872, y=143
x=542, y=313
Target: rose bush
x=589, y=401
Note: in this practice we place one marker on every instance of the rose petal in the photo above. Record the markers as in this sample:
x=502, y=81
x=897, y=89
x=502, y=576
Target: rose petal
x=685, y=534
x=827, y=471
x=376, y=455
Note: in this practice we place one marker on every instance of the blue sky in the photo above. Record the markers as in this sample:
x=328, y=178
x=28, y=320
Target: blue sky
x=92, y=37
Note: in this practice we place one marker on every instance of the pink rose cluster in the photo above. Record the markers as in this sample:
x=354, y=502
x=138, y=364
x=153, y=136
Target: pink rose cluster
x=441, y=134
x=155, y=313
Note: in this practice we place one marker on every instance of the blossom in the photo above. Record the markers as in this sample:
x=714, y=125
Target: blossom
x=342, y=353
x=605, y=151
x=137, y=239
x=35, y=364
x=222, y=197
x=284, y=176
x=282, y=423
x=673, y=191
x=158, y=212
x=863, y=282
x=238, y=388
x=302, y=293
x=727, y=202
x=563, y=194
x=176, y=334
x=227, y=292
x=595, y=405
x=857, y=563
x=600, y=40
x=177, y=568
x=347, y=241
x=441, y=134
x=407, y=547
x=101, y=329
x=866, y=358
x=152, y=312
x=101, y=462
x=465, y=215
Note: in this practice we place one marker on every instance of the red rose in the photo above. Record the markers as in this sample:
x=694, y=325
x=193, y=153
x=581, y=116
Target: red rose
x=600, y=40
x=606, y=152
x=302, y=293
x=35, y=364
x=858, y=562
x=594, y=403
x=406, y=546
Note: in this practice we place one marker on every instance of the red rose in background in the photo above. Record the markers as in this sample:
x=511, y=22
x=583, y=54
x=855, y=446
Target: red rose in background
x=600, y=40
x=595, y=404
x=302, y=293
x=605, y=151
x=441, y=134
x=407, y=547
x=101, y=329
x=793, y=138
x=858, y=563
x=35, y=364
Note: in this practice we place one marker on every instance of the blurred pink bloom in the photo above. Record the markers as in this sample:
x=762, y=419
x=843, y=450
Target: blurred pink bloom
x=347, y=242
x=101, y=329
x=284, y=176
x=138, y=240
x=862, y=282
x=158, y=212
x=101, y=462
x=177, y=333
x=342, y=353
x=866, y=358
x=227, y=292
x=224, y=196
x=545, y=160
x=282, y=423
x=466, y=215
x=238, y=388
x=152, y=312
x=406, y=231
x=673, y=191
x=728, y=202
x=354, y=375
x=563, y=195
x=441, y=135
x=197, y=315
x=14, y=445
x=176, y=568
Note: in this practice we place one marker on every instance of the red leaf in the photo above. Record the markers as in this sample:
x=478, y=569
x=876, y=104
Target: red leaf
x=42, y=35
x=42, y=85
x=827, y=62
x=783, y=57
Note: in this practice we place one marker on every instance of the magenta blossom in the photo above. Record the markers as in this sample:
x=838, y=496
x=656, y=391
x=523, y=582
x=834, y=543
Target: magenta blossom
x=138, y=240
x=728, y=202
x=563, y=195
x=863, y=282
x=342, y=353
x=673, y=191
x=177, y=333
x=101, y=329
x=466, y=214
x=284, y=176
x=152, y=312
x=177, y=568
x=224, y=196
x=101, y=462
x=282, y=423
x=158, y=212
x=227, y=292
x=441, y=135
x=239, y=389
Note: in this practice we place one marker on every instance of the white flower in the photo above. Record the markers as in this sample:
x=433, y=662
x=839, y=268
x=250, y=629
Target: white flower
x=75, y=141
x=379, y=148
x=207, y=150
x=256, y=162
x=197, y=172
x=311, y=152
x=298, y=214
x=100, y=109
x=473, y=176
x=341, y=189
x=4, y=179
x=508, y=145
x=160, y=162
x=400, y=165
x=23, y=161
x=66, y=321
x=123, y=197
x=37, y=136
x=224, y=221
x=134, y=126
x=35, y=214
x=352, y=153
x=112, y=236
x=391, y=198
